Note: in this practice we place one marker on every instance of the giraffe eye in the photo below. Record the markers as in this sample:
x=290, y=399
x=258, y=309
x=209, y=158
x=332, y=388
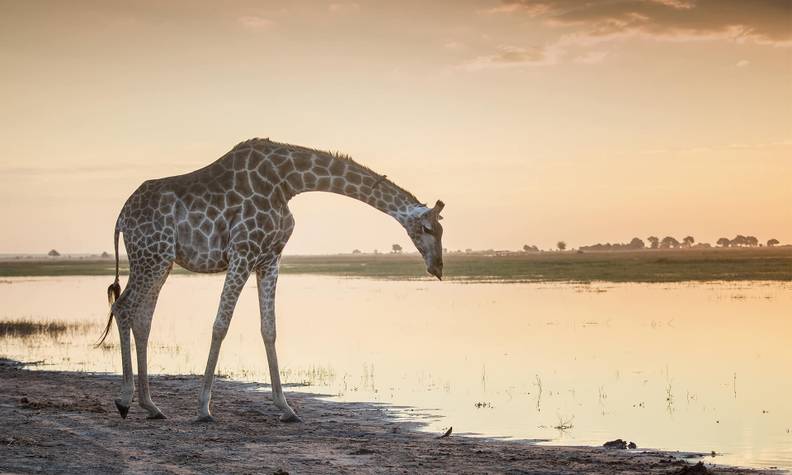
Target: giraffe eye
x=427, y=229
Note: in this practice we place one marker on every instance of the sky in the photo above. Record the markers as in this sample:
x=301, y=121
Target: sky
x=534, y=121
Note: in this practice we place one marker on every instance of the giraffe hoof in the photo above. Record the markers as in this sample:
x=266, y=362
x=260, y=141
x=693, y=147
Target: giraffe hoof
x=202, y=419
x=158, y=415
x=290, y=417
x=122, y=409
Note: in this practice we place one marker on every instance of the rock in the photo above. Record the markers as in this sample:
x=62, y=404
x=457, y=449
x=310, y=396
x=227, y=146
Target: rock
x=615, y=444
x=362, y=451
x=698, y=469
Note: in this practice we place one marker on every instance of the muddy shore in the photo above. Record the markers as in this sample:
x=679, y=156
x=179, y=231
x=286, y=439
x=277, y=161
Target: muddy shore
x=65, y=422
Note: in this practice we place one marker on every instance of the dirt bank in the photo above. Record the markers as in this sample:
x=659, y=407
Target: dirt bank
x=60, y=422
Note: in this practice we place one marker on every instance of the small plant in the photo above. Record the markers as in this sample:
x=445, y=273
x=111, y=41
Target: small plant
x=669, y=398
x=564, y=424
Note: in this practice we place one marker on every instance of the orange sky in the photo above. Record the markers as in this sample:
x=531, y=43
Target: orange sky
x=534, y=121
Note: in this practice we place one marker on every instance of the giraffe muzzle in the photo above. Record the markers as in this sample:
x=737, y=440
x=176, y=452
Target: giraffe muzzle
x=436, y=271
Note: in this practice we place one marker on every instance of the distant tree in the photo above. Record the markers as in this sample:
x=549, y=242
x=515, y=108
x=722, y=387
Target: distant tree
x=723, y=242
x=468, y=250
x=669, y=242
x=773, y=242
x=751, y=241
x=738, y=241
x=397, y=249
x=376, y=251
x=53, y=253
x=654, y=242
x=689, y=240
x=527, y=248
x=356, y=251
x=561, y=245
x=636, y=243
x=105, y=255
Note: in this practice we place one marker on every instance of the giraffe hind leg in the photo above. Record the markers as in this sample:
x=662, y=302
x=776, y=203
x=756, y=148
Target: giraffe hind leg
x=147, y=286
x=121, y=313
x=128, y=388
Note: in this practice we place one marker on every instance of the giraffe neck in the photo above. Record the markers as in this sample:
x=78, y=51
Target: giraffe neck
x=304, y=170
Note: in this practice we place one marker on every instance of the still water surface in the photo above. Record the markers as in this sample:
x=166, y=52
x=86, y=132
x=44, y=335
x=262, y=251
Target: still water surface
x=695, y=367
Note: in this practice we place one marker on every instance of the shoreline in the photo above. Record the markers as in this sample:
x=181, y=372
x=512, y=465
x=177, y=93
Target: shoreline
x=55, y=422
x=645, y=266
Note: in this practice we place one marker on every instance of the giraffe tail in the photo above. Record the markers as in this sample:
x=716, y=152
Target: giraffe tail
x=113, y=292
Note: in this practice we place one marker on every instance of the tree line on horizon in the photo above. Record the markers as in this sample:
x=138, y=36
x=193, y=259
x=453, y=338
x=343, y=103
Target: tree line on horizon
x=668, y=242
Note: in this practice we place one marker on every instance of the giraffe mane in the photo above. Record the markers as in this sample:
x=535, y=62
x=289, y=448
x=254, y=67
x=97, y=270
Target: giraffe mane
x=334, y=154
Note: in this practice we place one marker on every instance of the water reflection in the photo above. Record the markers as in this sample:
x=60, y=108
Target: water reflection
x=698, y=367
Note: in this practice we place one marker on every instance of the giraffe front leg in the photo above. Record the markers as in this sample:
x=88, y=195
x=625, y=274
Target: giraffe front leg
x=267, y=280
x=238, y=273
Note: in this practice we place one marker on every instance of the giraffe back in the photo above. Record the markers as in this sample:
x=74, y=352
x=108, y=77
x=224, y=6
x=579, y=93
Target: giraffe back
x=200, y=218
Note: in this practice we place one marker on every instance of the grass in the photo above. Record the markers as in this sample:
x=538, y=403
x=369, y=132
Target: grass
x=30, y=328
x=772, y=264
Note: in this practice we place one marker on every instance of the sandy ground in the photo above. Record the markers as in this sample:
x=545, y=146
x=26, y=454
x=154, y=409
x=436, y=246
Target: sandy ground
x=61, y=422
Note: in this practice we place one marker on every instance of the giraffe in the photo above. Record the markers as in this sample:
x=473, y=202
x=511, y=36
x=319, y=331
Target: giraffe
x=233, y=216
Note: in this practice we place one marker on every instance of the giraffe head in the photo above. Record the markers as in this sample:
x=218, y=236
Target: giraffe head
x=426, y=233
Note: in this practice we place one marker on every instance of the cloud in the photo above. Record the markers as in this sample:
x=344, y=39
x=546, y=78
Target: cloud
x=344, y=7
x=510, y=7
x=510, y=57
x=117, y=168
x=255, y=22
x=760, y=21
x=453, y=45
x=57, y=170
x=776, y=145
x=591, y=57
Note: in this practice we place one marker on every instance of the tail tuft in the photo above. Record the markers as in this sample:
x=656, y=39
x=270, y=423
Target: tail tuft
x=113, y=292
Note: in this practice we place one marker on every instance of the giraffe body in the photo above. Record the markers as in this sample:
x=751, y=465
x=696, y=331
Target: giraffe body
x=233, y=216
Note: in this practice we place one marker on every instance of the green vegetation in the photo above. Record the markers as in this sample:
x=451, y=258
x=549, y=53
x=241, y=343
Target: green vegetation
x=657, y=265
x=30, y=328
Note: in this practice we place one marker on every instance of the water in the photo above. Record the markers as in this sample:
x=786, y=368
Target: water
x=694, y=367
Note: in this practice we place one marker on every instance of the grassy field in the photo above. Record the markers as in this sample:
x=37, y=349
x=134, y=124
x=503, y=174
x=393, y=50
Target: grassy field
x=609, y=266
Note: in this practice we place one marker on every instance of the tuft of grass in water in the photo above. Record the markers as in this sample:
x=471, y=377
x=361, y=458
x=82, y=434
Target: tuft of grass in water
x=31, y=328
x=564, y=424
